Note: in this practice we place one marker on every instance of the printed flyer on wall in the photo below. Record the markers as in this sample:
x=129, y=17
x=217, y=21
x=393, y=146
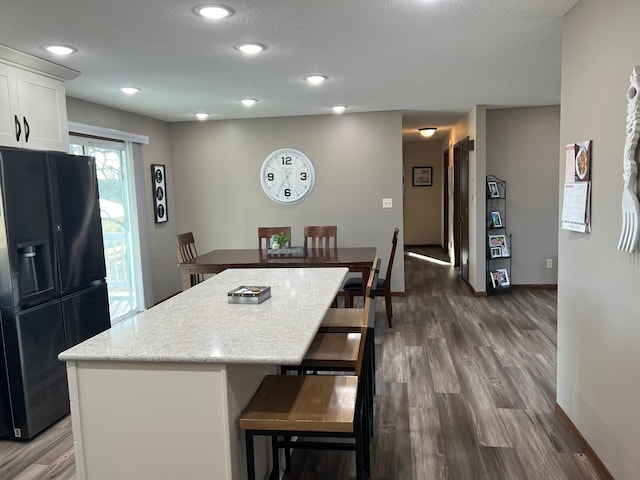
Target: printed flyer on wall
x=576, y=205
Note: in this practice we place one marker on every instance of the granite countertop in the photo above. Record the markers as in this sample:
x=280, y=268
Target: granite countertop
x=200, y=326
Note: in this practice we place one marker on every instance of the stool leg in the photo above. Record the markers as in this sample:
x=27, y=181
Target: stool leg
x=275, y=458
x=251, y=468
x=360, y=439
x=287, y=454
x=348, y=299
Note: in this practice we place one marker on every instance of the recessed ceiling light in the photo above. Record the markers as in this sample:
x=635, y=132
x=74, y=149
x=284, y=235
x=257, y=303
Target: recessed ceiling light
x=214, y=12
x=202, y=116
x=59, y=49
x=248, y=102
x=339, y=108
x=129, y=90
x=315, y=79
x=250, y=48
x=427, y=132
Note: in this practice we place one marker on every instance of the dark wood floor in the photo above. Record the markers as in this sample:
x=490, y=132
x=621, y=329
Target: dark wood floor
x=466, y=390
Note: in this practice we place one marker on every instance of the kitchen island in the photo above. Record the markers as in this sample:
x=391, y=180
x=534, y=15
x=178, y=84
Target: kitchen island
x=158, y=396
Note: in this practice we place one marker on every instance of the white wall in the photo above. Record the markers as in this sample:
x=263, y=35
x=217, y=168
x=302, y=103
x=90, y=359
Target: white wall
x=599, y=286
x=358, y=162
x=423, y=205
x=162, y=237
x=523, y=149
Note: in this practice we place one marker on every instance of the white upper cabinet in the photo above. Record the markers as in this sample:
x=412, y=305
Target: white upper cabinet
x=33, y=109
x=8, y=107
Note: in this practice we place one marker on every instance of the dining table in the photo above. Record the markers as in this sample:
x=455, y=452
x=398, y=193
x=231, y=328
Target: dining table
x=356, y=259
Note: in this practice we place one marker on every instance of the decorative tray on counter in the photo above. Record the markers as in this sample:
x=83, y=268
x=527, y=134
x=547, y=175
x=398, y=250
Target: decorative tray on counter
x=252, y=295
x=286, y=252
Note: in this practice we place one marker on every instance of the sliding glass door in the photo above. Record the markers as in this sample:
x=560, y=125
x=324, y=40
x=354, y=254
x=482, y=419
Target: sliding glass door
x=114, y=169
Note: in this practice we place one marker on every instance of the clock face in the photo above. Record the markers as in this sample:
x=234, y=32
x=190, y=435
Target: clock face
x=287, y=176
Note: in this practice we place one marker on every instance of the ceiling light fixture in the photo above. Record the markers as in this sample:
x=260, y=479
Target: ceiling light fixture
x=315, y=79
x=427, y=132
x=214, y=12
x=250, y=48
x=339, y=108
x=248, y=102
x=202, y=116
x=129, y=90
x=59, y=49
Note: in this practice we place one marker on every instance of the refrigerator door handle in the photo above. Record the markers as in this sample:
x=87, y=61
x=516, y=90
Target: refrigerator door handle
x=18, y=128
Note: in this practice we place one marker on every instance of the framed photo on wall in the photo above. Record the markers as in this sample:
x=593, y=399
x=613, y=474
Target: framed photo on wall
x=422, y=177
x=159, y=189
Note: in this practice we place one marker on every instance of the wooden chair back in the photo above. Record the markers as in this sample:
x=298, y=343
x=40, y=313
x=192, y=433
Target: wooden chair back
x=186, y=250
x=186, y=247
x=321, y=237
x=264, y=233
x=394, y=244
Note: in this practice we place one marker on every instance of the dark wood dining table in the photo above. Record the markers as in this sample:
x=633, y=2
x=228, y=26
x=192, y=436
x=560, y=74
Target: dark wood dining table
x=356, y=259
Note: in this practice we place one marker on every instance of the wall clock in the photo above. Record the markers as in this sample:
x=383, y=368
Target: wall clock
x=287, y=176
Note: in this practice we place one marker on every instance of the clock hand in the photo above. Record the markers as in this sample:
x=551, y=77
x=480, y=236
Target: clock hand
x=284, y=181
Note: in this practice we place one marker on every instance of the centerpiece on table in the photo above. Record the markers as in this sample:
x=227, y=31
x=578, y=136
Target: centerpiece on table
x=280, y=246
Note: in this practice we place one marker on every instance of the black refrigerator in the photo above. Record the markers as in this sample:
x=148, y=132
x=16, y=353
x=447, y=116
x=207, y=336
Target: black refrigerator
x=53, y=292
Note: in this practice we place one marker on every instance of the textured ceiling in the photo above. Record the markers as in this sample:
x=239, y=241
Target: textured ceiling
x=432, y=59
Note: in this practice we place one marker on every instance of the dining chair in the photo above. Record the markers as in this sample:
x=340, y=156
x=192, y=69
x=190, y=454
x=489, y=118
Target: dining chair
x=353, y=287
x=264, y=233
x=320, y=237
x=292, y=408
x=186, y=252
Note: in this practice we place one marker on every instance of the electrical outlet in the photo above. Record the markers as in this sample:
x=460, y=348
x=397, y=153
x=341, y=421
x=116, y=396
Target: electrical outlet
x=549, y=263
x=387, y=203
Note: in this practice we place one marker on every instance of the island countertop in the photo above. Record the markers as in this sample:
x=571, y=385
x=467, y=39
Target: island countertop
x=200, y=326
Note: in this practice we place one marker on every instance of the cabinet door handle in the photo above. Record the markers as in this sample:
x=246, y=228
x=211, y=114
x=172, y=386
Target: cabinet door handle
x=18, y=128
x=27, y=130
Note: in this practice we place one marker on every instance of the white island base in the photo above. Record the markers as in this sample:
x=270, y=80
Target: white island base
x=160, y=421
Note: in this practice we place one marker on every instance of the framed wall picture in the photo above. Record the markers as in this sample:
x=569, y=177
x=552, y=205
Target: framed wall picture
x=496, y=252
x=422, y=177
x=159, y=189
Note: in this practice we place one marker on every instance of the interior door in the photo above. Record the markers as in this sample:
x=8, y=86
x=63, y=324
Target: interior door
x=445, y=202
x=456, y=206
x=464, y=210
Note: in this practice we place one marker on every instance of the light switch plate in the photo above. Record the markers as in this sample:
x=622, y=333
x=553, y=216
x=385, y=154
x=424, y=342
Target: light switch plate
x=387, y=203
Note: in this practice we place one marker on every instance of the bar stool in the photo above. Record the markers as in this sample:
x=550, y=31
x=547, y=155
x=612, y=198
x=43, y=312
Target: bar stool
x=289, y=407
